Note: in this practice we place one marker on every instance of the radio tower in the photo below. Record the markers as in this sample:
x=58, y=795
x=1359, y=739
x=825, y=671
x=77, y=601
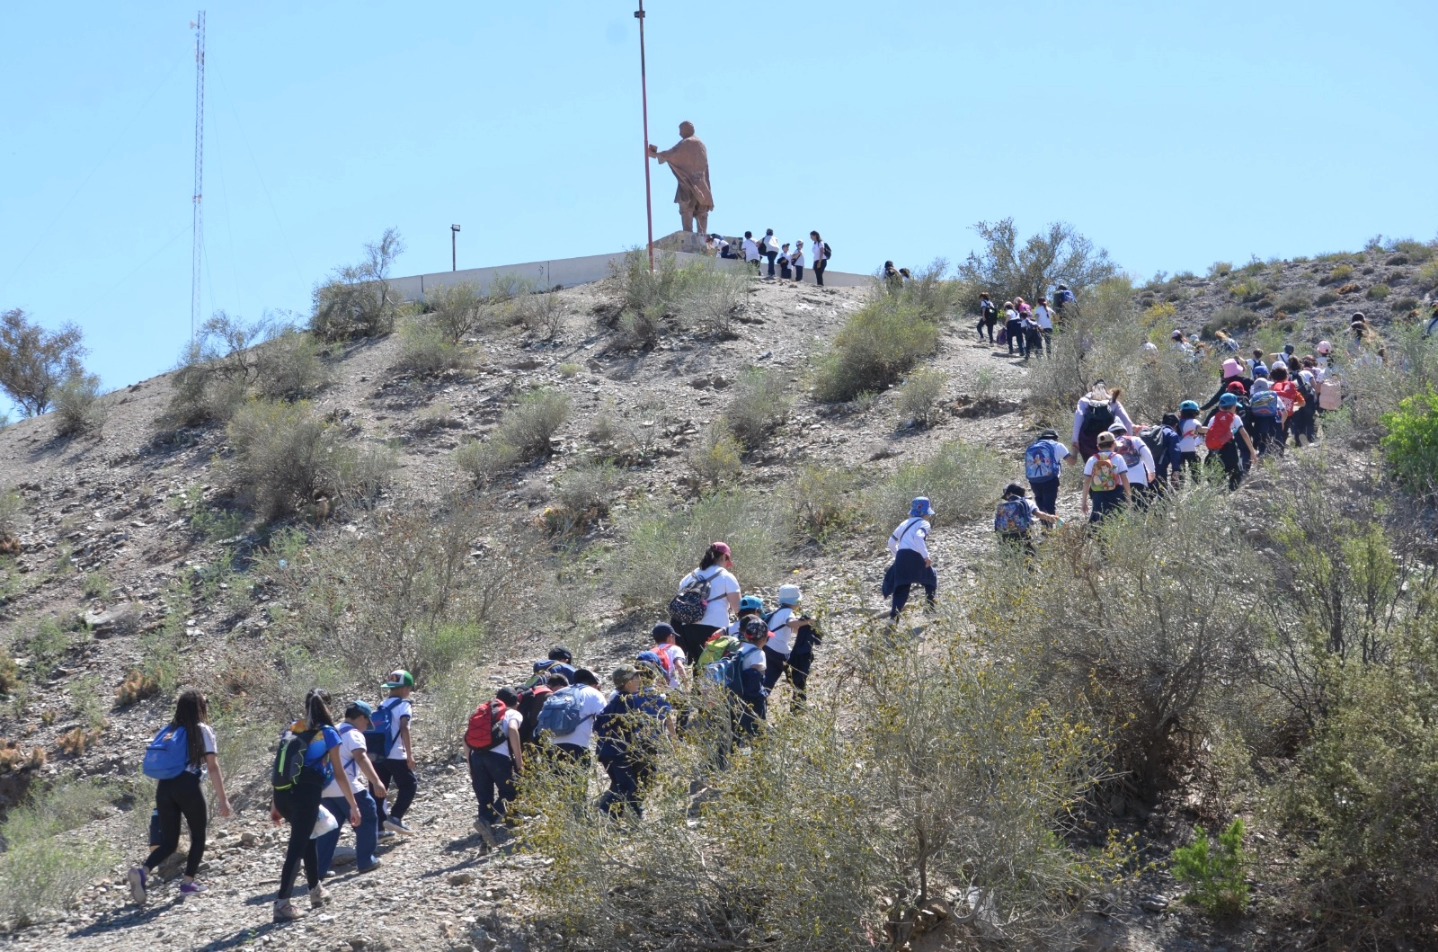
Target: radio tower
x=198, y=223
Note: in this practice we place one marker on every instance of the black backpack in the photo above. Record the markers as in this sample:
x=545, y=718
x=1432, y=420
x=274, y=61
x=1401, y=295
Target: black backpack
x=531, y=701
x=288, y=771
x=1097, y=418
x=1306, y=390
x=828, y=252
x=1156, y=439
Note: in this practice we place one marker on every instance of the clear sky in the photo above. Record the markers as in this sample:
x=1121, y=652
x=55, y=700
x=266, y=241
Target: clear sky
x=1173, y=134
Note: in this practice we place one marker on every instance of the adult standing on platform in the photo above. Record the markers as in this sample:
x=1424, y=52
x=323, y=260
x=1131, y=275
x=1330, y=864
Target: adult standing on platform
x=689, y=161
x=819, y=251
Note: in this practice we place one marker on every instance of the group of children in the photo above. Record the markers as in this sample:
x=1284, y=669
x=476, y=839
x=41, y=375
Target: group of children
x=330, y=773
x=1027, y=329
x=788, y=257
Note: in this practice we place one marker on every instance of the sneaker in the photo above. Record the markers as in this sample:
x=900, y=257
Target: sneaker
x=371, y=867
x=396, y=826
x=139, y=879
x=285, y=911
x=318, y=896
x=486, y=833
x=193, y=888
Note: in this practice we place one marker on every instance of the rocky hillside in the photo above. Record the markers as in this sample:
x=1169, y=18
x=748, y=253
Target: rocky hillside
x=132, y=538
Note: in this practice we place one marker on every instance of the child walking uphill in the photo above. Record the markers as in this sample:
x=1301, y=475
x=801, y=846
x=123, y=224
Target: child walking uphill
x=359, y=773
x=180, y=756
x=307, y=759
x=1105, y=483
x=395, y=765
x=912, y=565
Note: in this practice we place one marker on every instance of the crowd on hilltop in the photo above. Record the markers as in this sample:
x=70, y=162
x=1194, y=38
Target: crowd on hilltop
x=709, y=670
x=786, y=260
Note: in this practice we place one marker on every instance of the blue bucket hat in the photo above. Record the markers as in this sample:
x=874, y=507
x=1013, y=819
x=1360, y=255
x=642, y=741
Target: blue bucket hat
x=1260, y=371
x=920, y=508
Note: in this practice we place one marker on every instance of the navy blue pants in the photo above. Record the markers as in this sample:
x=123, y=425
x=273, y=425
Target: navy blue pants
x=396, y=775
x=1046, y=496
x=909, y=570
x=366, y=834
x=492, y=776
x=623, y=792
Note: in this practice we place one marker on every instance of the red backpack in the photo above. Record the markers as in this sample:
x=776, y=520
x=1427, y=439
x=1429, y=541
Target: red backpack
x=1220, y=430
x=486, y=726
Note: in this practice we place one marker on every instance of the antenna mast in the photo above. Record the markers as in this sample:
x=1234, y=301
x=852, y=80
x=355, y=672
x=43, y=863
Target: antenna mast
x=198, y=220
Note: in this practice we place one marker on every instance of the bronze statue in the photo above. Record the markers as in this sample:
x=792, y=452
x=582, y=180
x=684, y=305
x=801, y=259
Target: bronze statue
x=689, y=161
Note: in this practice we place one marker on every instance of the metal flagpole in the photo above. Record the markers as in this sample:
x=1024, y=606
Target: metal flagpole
x=644, y=96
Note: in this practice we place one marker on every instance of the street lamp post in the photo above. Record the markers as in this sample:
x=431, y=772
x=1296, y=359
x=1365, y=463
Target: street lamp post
x=453, y=247
x=644, y=96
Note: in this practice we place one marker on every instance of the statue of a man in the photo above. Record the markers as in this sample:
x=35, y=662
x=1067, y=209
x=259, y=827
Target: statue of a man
x=689, y=161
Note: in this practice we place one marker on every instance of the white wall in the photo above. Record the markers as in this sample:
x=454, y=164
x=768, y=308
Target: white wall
x=568, y=272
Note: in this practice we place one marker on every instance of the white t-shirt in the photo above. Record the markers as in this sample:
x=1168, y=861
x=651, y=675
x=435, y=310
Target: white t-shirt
x=400, y=708
x=751, y=250
x=1188, y=436
x=796, y=257
x=591, y=703
x=720, y=246
x=1139, y=475
x=1119, y=467
x=769, y=243
x=781, y=636
x=1045, y=319
x=510, y=718
x=202, y=768
x=721, y=583
x=351, y=740
x=751, y=657
x=912, y=533
x=675, y=654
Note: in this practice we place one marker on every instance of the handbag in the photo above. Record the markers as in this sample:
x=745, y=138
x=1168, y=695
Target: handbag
x=324, y=823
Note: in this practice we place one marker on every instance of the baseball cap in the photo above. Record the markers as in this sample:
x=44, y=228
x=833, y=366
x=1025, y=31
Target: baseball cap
x=358, y=709
x=1228, y=400
x=399, y=678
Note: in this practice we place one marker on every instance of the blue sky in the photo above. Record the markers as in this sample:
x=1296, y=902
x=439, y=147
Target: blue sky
x=1174, y=135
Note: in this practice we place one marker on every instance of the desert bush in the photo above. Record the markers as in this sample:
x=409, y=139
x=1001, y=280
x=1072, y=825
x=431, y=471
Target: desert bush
x=586, y=491
x=1220, y=269
x=1100, y=340
x=758, y=407
x=1248, y=290
x=1416, y=252
x=1060, y=253
x=543, y=314
x=1411, y=446
x=12, y=507
x=454, y=311
x=920, y=395
x=1339, y=274
x=48, y=643
x=1326, y=298
x=1217, y=871
x=830, y=838
x=230, y=359
x=357, y=300
x=35, y=362
x=717, y=458
x=283, y=455
x=646, y=303
x=408, y=593
x=1427, y=277
x=137, y=686
x=1372, y=389
x=876, y=345
x=522, y=436
x=46, y=864
x=289, y=365
x=1292, y=302
x=664, y=542
x=425, y=349
x=1403, y=306
x=1158, y=637
x=825, y=501
x=1231, y=319
x=963, y=480
x=77, y=405
x=1379, y=292
x=1159, y=315
x=484, y=461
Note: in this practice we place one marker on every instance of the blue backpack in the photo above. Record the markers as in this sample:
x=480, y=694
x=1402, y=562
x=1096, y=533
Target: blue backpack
x=1265, y=404
x=1013, y=517
x=380, y=738
x=728, y=671
x=168, y=755
x=561, y=712
x=1041, y=463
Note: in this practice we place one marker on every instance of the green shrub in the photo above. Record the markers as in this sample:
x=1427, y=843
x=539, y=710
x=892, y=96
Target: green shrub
x=825, y=501
x=543, y=314
x=1220, y=269
x=1416, y=252
x=77, y=405
x=47, y=645
x=1292, y=302
x=1339, y=274
x=717, y=458
x=426, y=349
x=1427, y=277
x=1325, y=299
x=1411, y=445
x=1217, y=871
x=758, y=407
x=484, y=460
x=963, y=480
x=1379, y=292
x=699, y=296
x=289, y=366
x=12, y=507
x=284, y=455
x=453, y=312
x=877, y=344
x=357, y=300
x=586, y=491
x=230, y=359
x=1232, y=320
x=663, y=543
x=47, y=864
x=920, y=396
x=531, y=423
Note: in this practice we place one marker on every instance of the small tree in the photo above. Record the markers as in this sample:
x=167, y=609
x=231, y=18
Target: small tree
x=34, y=362
x=1060, y=253
x=357, y=301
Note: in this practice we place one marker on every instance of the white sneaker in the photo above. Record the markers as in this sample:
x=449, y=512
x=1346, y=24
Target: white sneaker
x=137, y=880
x=486, y=833
x=396, y=826
x=319, y=896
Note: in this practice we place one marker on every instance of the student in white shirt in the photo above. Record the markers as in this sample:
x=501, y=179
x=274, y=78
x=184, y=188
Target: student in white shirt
x=796, y=259
x=492, y=771
x=790, y=649
x=397, y=768
x=912, y=564
x=360, y=775
x=715, y=572
x=666, y=646
x=575, y=745
x=751, y=251
x=1105, y=480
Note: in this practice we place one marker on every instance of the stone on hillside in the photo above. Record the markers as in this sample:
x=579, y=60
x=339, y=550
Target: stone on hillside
x=120, y=620
x=344, y=856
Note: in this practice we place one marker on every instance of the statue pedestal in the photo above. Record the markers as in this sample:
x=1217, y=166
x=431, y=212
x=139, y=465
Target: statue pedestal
x=681, y=241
